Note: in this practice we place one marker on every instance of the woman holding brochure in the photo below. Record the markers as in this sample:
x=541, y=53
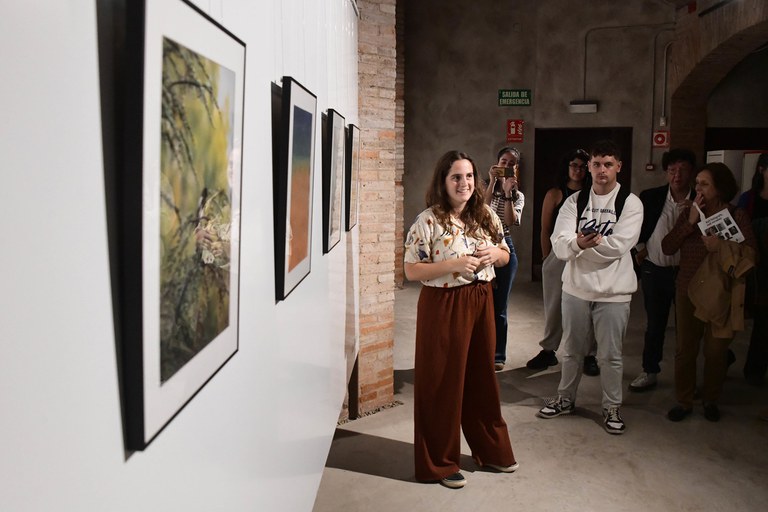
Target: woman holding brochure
x=715, y=187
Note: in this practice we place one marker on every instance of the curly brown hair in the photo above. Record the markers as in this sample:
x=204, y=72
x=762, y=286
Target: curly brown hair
x=476, y=216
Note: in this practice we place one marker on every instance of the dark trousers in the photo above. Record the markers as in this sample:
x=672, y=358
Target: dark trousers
x=658, y=293
x=504, y=277
x=693, y=334
x=455, y=387
x=757, y=355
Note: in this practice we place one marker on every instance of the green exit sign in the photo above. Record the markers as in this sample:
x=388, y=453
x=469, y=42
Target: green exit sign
x=514, y=97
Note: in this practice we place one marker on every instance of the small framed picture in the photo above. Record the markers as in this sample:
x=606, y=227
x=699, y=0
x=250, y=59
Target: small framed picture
x=293, y=176
x=352, y=178
x=333, y=179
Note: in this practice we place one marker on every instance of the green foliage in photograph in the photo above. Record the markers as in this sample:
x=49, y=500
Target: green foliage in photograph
x=195, y=204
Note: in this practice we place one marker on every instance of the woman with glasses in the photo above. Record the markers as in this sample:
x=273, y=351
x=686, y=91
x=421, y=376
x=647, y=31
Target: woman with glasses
x=504, y=198
x=715, y=188
x=573, y=176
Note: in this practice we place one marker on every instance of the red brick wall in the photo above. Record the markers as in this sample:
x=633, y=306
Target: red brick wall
x=705, y=49
x=378, y=218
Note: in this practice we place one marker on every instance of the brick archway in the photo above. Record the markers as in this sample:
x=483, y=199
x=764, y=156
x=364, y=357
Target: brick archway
x=705, y=49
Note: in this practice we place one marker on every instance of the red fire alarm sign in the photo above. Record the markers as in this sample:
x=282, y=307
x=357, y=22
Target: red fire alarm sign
x=514, y=130
x=661, y=139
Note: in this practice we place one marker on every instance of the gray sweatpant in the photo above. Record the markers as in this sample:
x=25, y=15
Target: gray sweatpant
x=552, y=292
x=609, y=320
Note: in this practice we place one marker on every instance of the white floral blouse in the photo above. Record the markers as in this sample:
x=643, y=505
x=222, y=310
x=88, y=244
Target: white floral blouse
x=430, y=242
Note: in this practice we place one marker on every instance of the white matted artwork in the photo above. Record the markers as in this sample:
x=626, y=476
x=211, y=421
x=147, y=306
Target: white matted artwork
x=179, y=303
x=333, y=179
x=293, y=178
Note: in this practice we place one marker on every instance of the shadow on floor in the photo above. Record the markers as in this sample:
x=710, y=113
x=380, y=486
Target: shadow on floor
x=402, y=377
x=376, y=456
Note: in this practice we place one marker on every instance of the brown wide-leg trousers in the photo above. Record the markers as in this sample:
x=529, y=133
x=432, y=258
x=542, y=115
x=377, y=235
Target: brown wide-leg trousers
x=455, y=385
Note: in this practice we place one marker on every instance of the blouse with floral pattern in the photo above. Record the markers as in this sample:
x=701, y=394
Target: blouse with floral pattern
x=430, y=242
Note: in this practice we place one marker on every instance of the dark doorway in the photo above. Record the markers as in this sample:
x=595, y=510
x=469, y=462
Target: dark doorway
x=735, y=138
x=552, y=144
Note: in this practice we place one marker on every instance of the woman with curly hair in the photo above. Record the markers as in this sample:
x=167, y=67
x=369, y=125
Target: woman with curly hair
x=452, y=248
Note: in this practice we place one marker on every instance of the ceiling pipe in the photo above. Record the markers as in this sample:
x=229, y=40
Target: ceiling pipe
x=662, y=118
x=595, y=29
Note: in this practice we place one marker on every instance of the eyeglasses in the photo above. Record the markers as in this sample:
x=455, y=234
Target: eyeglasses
x=578, y=167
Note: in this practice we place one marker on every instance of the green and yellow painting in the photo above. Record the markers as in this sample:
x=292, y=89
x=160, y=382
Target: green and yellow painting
x=198, y=103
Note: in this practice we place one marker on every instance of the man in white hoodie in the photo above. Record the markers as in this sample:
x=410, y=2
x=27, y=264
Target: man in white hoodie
x=598, y=281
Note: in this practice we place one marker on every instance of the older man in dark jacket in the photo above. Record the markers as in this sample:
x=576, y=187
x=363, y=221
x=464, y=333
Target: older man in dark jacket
x=661, y=206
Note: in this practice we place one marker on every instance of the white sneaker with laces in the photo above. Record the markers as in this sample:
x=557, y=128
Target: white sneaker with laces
x=643, y=382
x=556, y=406
x=613, y=423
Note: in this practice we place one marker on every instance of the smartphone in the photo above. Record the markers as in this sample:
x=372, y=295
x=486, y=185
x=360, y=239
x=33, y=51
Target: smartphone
x=504, y=172
x=588, y=230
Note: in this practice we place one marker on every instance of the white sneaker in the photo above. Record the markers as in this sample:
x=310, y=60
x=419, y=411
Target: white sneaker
x=613, y=423
x=504, y=469
x=643, y=382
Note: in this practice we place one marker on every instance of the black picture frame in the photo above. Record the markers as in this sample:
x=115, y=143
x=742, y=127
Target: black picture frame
x=334, y=159
x=175, y=240
x=352, y=177
x=293, y=176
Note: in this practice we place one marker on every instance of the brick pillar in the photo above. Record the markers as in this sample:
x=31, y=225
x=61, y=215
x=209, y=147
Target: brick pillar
x=376, y=74
x=399, y=145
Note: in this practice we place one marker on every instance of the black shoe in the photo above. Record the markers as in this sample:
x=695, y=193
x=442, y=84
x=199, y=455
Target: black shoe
x=542, y=360
x=711, y=411
x=454, y=481
x=678, y=413
x=590, y=366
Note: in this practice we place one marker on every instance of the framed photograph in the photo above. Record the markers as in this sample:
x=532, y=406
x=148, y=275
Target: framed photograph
x=352, y=178
x=333, y=178
x=178, y=234
x=293, y=176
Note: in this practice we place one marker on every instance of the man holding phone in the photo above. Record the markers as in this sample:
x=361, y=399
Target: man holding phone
x=598, y=282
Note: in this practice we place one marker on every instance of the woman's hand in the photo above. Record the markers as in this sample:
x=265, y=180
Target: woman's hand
x=693, y=213
x=509, y=186
x=711, y=242
x=494, y=174
x=488, y=255
x=466, y=264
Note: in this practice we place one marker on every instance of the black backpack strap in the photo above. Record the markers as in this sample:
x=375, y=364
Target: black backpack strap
x=581, y=204
x=621, y=198
x=583, y=197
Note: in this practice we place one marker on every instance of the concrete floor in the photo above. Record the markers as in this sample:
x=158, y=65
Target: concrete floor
x=568, y=463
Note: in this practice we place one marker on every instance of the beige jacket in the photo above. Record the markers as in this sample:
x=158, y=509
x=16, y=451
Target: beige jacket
x=717, y=288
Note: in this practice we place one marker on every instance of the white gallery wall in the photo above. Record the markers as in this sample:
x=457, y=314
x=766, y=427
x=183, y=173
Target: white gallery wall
x=257, y=435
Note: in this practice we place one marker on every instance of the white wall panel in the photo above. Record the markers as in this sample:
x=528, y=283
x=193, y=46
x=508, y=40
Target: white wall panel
x=256, y=436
